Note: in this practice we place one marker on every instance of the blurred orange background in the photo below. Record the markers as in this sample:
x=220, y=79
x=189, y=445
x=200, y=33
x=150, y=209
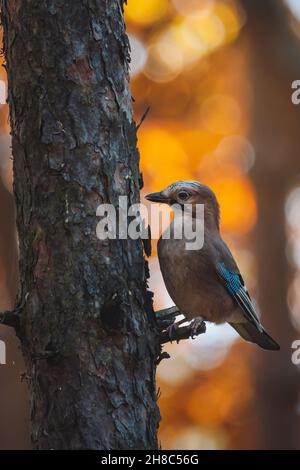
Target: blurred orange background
x=217, y=76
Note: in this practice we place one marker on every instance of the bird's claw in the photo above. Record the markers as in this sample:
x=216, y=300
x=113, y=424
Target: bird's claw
x=170, y=330
x=196, y=326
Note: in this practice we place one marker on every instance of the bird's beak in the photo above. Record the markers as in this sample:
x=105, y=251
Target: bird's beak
x=157, y=197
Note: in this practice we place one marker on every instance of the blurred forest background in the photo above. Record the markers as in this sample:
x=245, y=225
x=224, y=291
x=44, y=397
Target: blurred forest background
x=217, y=75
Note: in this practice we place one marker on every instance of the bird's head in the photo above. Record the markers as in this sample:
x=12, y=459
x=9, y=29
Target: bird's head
x=186, y=194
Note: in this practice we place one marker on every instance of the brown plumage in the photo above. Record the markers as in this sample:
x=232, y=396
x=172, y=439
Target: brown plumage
x=205, y=282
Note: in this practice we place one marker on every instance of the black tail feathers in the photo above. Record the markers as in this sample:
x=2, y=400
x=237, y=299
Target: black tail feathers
x=251, y=333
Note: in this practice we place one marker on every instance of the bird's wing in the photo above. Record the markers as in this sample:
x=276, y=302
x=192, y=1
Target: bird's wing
x=235, y=285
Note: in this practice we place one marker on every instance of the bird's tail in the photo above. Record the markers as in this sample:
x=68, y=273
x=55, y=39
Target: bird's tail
x=251, y=333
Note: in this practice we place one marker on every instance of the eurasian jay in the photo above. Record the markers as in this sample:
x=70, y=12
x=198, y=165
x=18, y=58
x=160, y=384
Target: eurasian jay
x=206, y=284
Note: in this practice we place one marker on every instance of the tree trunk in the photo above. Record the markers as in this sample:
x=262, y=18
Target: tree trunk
x=86, y=325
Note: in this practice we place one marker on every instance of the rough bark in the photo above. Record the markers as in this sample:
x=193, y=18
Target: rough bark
x=86, y=325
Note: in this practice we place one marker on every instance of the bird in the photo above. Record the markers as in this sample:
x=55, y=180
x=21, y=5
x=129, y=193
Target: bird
x=205, y=284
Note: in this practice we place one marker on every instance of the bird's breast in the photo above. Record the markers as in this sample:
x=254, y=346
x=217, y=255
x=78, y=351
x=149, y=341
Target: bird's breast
x=192, y=282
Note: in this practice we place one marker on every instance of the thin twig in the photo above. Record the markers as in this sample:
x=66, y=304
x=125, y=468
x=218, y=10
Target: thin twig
x=183, y=332
x=143, y=118
x=167, y=313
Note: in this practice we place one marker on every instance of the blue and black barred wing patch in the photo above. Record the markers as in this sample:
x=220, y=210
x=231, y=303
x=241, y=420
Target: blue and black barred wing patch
x=235, y=286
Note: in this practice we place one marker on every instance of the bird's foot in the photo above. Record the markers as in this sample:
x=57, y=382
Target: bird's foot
x=170, y=330
x=175, y=332
x=197, y=327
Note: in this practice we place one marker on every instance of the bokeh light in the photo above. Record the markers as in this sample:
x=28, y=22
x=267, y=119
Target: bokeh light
x=235, y=154
x=138, y=54
x=190, y=6
x=294, y=301
x=163, y=68
x=2, y=92
x=144, y=13
x=294, y=6
x=192, y=31
x=292, y=211
x=238, y=203
x=164, y=158
x=221, y=114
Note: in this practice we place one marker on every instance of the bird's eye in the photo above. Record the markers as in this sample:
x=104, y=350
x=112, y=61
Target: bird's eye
x=183, y=195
